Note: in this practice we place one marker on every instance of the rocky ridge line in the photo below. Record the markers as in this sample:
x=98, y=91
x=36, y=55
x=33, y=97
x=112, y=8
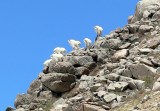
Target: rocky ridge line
x=122, y=65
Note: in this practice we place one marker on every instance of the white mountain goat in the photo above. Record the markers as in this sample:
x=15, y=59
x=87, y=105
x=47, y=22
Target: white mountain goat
x=57, y=57
x=87, y=42
x=74, y=44
x=60, y=50
x=98, y=30
x=46, y=63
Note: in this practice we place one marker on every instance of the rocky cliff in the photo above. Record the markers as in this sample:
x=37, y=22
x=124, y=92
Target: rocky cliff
x=120, y=73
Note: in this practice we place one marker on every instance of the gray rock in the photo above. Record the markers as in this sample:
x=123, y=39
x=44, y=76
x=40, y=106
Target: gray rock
x=133, y=38
x=79, y=52
x=125, y=79
x=78, y=60
x=86, y=82
x=121, y=98
x=32, y=106
x=46, y=95
x=115, y=104
x=141, y=7
x=127, y=73
x=130, y=81
x=113, y=77
x=111, y=66
x=124, y=46
x=10, y=109
x=145, y=28
x=156, y=86
x=153, y=43
x=155, y=62
x=158, y=70
x=146, y=98
x=140, y=84
x=112, y=44
x=102, y=55
x=95, y=87
x=88, y=107
x=109, y=97
x=141, y=71
x=76, y=98
x=60, y=101
x=61, y=107
x=58, y=82
x=145, y=50
x=112, y=35
x=82, y=71
x=125, y=37
x=146, y=14
x=130, y=19
x=61, y=67
x=101, y=93
x=118, y=86
x=146, y=62
x=20, y=109
x=90, y=65
x=23, y=99
x=158, y=80
x=121, y=54
x=35, y=87
x=133, y=28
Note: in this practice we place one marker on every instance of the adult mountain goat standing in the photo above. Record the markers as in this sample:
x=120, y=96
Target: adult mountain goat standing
x=98, y=30
x=74, y=44
x=87, y=42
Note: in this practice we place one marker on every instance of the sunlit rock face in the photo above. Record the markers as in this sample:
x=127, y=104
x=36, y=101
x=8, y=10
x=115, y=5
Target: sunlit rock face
x=144, y=8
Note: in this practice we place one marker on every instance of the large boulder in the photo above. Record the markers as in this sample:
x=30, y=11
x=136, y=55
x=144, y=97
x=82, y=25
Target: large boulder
x=10, y=109
x=133, y=28
x=142, y=7
x=145, y=28
x=23, y=99
x=118, y=86
x=153, y=43
x=78, y=60
x=121, y=54
x=81, y=71
x=109, y=97
x=86, y=82
x=61, y=67
x=130, y=81
x=112, y=43
x=58, y=82
x=142, y=72
x=35, y=87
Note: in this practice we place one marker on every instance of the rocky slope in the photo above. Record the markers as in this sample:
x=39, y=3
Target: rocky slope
x=120, y=73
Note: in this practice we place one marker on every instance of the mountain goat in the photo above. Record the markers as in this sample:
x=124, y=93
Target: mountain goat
x=46, y=63
x=87, y=42
x=57, y=57
x=60, y=50
x=74, y=44
x=98, y=30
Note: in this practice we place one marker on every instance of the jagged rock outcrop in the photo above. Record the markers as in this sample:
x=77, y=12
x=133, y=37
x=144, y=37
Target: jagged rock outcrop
x=119, y=66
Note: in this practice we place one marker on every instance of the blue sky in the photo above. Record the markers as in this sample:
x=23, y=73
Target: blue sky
x=31, y=29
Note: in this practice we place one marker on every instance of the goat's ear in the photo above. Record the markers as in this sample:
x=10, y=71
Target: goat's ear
x=68, y=41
